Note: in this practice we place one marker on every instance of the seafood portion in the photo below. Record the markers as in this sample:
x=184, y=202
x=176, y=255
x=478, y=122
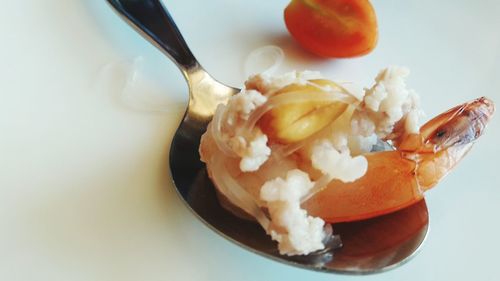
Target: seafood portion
x=294, y=152
x=397, y=179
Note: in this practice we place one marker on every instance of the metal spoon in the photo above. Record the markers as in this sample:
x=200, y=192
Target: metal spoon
x=369, y=246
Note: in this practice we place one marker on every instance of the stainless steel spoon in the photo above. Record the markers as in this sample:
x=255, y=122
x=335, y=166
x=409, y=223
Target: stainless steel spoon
x=368, y=246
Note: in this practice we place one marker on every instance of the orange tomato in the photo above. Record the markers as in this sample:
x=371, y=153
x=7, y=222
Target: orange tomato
x=333, y=28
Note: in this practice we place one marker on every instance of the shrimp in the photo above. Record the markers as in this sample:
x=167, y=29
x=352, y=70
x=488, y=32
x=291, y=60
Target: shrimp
x=398, y=178
x=293, y=152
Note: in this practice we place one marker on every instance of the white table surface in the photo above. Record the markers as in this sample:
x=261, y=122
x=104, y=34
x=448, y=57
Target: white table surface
x=85, y=192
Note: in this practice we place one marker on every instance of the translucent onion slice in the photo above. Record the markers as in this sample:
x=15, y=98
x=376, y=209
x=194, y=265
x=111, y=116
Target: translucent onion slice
x=235, y=193
x=319, y=185
x=265, y=60
x=216, y=130
x=329, y=89
x=293, y=97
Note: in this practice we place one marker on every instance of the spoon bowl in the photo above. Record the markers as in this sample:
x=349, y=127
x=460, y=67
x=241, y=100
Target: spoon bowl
x=369, y=246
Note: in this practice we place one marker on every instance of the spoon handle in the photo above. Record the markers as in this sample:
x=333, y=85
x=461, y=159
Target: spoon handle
x=157, y=26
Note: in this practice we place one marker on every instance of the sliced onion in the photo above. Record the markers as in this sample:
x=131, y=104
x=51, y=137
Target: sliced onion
x=319, y=185
x=305, y=96
x=265, y=60
x=236, y=193
x=328, y=89
x=293, y=97
x=216, y=130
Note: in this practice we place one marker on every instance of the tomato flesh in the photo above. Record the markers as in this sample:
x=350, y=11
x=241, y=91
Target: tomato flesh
x=333, y=28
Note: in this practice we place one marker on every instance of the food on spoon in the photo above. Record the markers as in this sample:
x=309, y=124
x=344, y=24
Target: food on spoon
x=333, y=28
x=295, y=152
x=293, y=122
x=397, y=179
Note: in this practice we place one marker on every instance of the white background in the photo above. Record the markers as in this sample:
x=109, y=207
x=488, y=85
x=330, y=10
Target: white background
x=85, y=192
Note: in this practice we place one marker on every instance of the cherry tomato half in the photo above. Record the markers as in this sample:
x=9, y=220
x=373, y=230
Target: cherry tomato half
x=333, y=28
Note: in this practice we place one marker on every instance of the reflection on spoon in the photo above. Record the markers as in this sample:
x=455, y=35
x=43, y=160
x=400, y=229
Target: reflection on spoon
x=383, y=239
x=367, y=246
